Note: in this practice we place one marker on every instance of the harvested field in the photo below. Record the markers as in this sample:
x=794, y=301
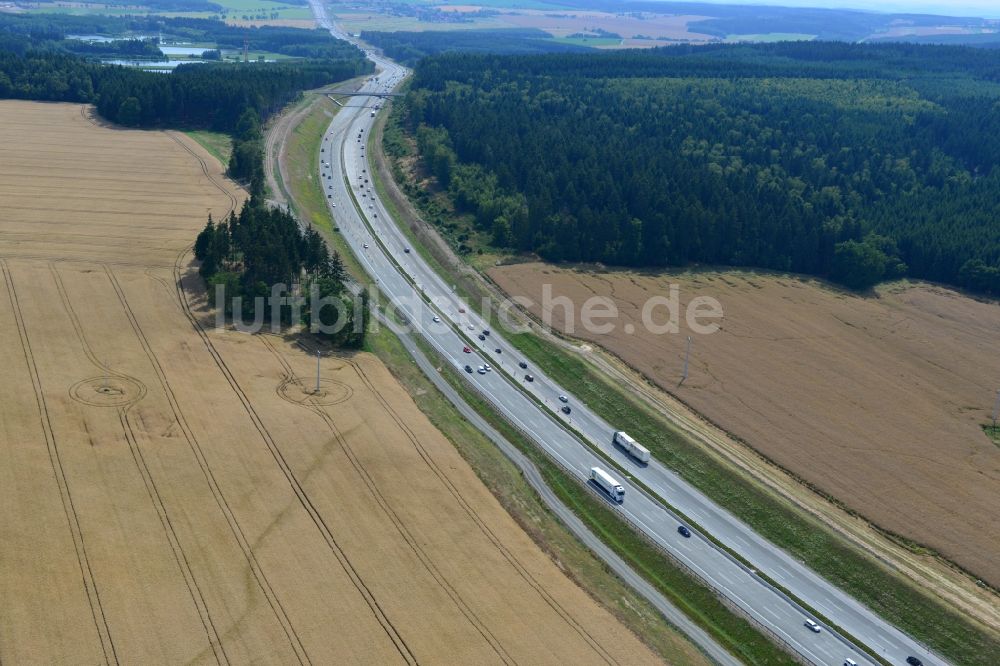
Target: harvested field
x=877, y=402
x=173, y=493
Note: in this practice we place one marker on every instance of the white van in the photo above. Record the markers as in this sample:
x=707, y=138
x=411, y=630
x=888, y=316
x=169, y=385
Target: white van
x=850, y=662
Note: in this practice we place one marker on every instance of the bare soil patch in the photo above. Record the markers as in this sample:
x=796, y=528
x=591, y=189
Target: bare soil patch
x=877, y=402
x=172, y=495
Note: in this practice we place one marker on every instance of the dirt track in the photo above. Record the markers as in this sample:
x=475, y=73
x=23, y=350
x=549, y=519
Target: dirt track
x=173, y=493
x=876, y=401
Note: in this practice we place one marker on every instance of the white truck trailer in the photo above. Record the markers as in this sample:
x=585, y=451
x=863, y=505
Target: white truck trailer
x=632, y=447
x=608, y=484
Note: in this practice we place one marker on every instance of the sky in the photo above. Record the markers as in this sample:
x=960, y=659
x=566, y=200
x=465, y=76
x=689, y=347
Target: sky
x=984, y=8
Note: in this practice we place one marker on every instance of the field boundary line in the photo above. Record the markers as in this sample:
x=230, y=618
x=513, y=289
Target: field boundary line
x=380, y=615
x=155, y=498
x=383, y=503
x=62, y=482
x=214, y=487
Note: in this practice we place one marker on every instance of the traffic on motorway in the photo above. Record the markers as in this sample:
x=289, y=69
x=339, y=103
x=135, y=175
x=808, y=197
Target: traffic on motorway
x=557, y=423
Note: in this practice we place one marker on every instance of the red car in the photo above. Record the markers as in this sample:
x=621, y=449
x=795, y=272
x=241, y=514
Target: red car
x=466, y=350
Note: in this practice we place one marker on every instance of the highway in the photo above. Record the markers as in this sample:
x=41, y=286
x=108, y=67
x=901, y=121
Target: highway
x=533, y=407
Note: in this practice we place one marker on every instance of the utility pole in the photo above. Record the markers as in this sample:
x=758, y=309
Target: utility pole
x=687, y=359
x=317, y=371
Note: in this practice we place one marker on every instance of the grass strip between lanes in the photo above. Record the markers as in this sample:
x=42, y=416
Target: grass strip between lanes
x=888, y=594
x=900, y=603
x=497, y=473
x=691, y=596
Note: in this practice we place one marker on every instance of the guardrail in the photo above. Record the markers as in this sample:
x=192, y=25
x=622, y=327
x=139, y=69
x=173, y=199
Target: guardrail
x=726, y=601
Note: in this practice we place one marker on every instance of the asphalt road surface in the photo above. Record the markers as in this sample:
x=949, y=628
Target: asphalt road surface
x=419, y=294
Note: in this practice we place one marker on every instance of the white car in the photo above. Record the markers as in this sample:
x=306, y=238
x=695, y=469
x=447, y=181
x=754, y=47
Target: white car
x=366, y=246
x=333, y=205
x=812, y=626
x=563, y=398
x=481, y=370
x=437, y=320
x=488, y=368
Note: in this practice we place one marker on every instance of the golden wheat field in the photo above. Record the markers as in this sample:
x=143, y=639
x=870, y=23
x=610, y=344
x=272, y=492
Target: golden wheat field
x=877, y=401
x=171, y=492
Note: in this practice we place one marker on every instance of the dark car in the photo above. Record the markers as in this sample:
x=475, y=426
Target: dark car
x=529, y=378
x=486, y=332
x=684, y=532
x=522, y=365
x=913, y=661
x=482, y=337
x=497, y=350
x=468, y=369
x=566, y=409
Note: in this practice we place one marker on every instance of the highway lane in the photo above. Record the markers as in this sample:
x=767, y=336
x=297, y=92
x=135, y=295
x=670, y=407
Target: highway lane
x=775, y=563
x=381, y=257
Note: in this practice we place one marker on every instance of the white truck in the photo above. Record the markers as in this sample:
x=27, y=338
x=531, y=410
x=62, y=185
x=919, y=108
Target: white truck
x=608, y=484
x=632, y=447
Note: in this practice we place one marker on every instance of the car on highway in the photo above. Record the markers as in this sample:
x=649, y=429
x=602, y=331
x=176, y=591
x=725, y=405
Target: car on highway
x=497, y=350
x=563, y=398
x=466, y=350
x=914, y=661
x=850, y=662
x=468, y=369
x=487, y=366
x=365, y=246
x=406, y=250
x=471, y=327
x=566, y=409
x=333, y=204
x=529, y=378
x=436, y=319
x=462, y=310
x=329, y=196
x=684, y=531
x=522, y=365
x=812, y=626
x=481, y=370
x=481, y=336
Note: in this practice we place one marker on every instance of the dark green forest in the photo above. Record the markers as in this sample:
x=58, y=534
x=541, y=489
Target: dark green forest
x=245, y=254
x=855, y=162
x=409, y=47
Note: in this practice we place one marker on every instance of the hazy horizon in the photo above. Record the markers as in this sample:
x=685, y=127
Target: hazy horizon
x=979, y=8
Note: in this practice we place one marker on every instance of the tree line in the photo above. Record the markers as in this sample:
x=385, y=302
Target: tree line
x=409, y=47
x=245, y=255
x=234, y=98
x=50, y=32
x=855, y=162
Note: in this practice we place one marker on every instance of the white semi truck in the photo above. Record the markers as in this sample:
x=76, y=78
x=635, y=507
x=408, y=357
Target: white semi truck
x=632, y=447
x=608, y=484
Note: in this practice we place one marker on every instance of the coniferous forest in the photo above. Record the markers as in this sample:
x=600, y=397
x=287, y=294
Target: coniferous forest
x=856, y=162
x=245, y=255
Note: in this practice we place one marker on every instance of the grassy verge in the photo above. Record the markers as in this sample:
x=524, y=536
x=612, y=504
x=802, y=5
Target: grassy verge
x=305, y=190
x=887, y=594
x=218, y=144
x=506, y=483
x=894, y=598
x=692, y=597
x=499, y=475
x=993, y=432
